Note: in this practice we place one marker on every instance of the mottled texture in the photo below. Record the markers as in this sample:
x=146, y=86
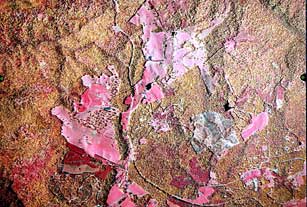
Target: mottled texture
x=152, y=103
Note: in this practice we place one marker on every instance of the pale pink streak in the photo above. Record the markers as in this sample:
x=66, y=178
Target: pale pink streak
x=258, y=123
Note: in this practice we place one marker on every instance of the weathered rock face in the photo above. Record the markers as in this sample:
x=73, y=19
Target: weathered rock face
x=152, y=103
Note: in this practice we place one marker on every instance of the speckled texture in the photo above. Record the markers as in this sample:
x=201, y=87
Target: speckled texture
x=176, y=62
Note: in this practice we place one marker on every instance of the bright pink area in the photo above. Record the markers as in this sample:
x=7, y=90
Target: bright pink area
x=152, y=71
x=102, y=143
x=296, y=203
x=154, y=46
x=96, y=95
x=127, y=203
x=125, y=119
x=266, y=173
x=115, y=195
x=87, y=128
x=258, y=123
x=203, y=195
x=197, y=173
x=155, y=93
x=165, y=47
x=145, y=17
x=248, y=176
x=136, y=190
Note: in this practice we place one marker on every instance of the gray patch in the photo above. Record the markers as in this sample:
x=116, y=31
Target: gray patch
x=213, y=131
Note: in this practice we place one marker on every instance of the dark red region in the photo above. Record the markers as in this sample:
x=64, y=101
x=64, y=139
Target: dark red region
x=77, y=156
x=181, y=181
x=197, y=173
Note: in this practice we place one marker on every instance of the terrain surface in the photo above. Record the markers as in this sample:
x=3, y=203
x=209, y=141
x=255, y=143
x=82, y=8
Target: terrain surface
x=153, y=103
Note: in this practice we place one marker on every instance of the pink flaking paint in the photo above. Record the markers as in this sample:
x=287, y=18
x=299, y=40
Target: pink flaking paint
x=258, y=123
x=115, y=195
x=137, y=190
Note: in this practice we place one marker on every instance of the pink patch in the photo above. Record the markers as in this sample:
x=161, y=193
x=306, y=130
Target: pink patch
x=266, y=173
x=198, y=174
x=250, y=175
x=243, y=97
x=171, y=204
x=143, y=141
x=230, y=45
x=136, y=190
x=115, y=195
x=152, y=71
x=258, y=123
x=154, y=94
x=88, y=128
x=154, y=46
x=203, y=195
x=152, y=203
x=296, y=203
x=96, y=95
x=127, y=203
x=102, y=144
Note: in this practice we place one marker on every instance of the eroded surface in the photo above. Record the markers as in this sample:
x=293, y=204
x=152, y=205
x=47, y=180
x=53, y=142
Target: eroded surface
x=153, y=103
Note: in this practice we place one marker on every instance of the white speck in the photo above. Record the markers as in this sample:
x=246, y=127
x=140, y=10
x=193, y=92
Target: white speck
x=279, y=103
x=275, y=65
x=255, y=182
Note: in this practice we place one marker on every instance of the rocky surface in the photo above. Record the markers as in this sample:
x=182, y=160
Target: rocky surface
x=152, y=103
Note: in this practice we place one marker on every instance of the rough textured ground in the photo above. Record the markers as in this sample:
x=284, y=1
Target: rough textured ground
x=199, y=103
